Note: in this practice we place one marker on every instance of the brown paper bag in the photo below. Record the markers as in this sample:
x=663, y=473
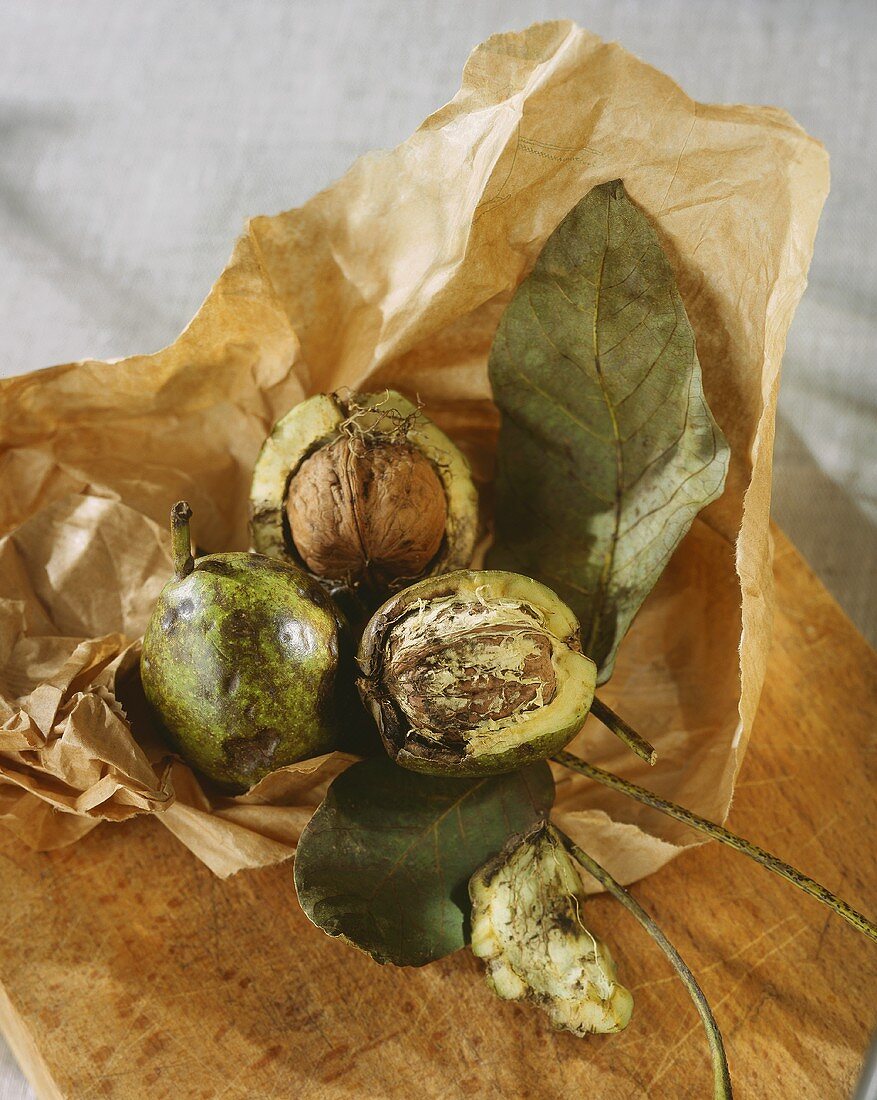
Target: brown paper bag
x=397, y=276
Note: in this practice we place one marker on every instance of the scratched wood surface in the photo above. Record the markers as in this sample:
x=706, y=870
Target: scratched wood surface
x=127, y=970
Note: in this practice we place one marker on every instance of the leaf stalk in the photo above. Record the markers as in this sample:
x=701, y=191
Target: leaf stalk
x=181, y=539
x=625, y=733
x=718, y=832
x=721, y=1075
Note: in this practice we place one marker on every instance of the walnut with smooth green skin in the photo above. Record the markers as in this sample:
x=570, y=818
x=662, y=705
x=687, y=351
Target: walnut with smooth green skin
x=474, y=673
x=527, y=926
x=364, y=492
x=239, y=661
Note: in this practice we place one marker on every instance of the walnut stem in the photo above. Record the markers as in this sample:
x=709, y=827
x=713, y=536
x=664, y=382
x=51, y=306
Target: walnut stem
x=724, y=836
x=721, y=1075
x=625, y=733
x=181, y=540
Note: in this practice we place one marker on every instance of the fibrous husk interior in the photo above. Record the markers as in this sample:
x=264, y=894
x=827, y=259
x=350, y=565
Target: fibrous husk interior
x=456, y=668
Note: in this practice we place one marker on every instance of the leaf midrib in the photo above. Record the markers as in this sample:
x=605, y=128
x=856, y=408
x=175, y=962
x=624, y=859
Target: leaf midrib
x=422, y=833
x=609, y=557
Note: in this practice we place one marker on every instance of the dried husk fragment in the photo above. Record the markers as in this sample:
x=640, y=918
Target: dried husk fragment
x=528, y=927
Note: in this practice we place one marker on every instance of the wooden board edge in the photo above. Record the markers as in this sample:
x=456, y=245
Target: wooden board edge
x=786, y=552
x=25, y=1051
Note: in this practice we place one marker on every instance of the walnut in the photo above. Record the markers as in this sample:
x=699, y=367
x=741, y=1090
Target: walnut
x=367, y=512
x=472, y=664
x=365, y=493
x=475, y=672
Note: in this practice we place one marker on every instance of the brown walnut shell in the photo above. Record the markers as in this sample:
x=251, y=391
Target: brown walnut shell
x=368, y=512
x=365, y=493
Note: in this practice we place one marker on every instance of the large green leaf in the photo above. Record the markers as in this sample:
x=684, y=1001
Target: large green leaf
x=385, y=861
x=608, y=449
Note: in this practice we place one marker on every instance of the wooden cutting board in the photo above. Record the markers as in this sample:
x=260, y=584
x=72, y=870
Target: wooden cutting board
x=128, y=970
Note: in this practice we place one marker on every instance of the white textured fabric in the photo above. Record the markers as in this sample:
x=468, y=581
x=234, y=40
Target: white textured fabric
x=13, y=1085
x=136, y=138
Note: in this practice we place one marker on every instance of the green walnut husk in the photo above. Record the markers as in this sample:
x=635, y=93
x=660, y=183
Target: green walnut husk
x=527, y=926
x=474, y=673
x=240, y=661
x=365, y=493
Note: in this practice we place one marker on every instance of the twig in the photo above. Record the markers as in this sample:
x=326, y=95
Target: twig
x=725, y=836
x=721, y=1076
x=634, y=741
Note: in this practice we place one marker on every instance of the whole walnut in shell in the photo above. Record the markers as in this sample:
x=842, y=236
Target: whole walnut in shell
x=369, y=511
x=365, y=493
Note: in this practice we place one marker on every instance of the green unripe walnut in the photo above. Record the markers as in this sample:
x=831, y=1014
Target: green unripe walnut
x=474, y=673
x=239, y=661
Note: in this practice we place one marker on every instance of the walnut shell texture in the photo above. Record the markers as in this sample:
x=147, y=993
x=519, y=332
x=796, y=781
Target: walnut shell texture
x=367, y=512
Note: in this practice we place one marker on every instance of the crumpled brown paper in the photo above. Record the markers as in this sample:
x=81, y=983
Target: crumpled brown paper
x=397, y=276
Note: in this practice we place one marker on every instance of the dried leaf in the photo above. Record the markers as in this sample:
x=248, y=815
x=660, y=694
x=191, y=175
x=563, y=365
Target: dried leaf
x=385, y=861
x=608, y=449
